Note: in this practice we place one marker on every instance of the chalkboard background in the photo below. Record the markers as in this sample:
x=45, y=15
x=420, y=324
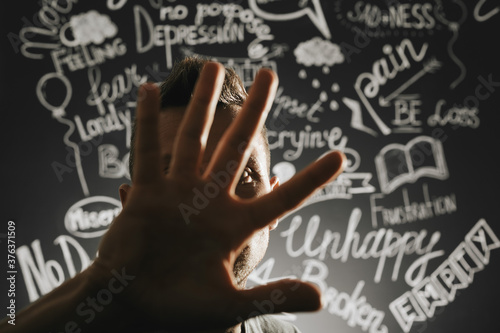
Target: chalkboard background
x=406, y=240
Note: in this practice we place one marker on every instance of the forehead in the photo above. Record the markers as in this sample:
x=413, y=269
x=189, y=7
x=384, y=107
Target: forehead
x=170, y=122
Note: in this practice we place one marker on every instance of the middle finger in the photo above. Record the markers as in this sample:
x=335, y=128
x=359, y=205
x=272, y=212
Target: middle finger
x=191, y=140
x=235, y=145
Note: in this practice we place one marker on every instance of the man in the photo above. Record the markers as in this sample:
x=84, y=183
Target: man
x=195, y=221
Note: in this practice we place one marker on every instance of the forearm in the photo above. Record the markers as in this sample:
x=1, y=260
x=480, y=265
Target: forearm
x=78, y=305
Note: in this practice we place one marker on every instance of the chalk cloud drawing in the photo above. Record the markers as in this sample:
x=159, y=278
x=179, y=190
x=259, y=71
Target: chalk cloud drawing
x=398, y=164
x=92, y=27
x=318, y=52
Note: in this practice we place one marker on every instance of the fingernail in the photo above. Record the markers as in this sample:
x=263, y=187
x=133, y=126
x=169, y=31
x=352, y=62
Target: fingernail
x=143, y=90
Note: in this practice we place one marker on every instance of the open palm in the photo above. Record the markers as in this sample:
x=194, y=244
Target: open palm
x=180, y=252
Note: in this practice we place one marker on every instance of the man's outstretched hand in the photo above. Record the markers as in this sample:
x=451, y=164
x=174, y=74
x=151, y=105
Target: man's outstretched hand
x=176, y=263
x=183, y=266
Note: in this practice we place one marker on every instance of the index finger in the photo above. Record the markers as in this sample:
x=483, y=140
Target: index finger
x=193, y=132
x=146, y=157
x=292, y=193
x=235, y=145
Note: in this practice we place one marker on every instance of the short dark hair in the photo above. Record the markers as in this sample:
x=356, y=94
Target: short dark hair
x=178, y=87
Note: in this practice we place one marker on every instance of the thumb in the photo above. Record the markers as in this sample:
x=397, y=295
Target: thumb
x=287, y=295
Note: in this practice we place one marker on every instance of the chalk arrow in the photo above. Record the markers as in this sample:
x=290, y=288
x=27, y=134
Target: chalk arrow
x=429, y=67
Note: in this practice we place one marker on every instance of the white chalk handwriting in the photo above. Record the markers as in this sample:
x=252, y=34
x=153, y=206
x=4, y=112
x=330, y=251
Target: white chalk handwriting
x=41, y=276
x=49, y=19
x=173, y=13
x=120, y=86
x=231, y=31
x=412, y=211
x=406, y=112
x=462, y=116
x=353, y=308
x=91, y=217
x=332, y=139
x=229, y=11
x=83, y=56
x=110, y=165
x=381, y=73
x=398, y=16
x=381, y=244
x=456, y=272
x=293, y=108
x=107, y=123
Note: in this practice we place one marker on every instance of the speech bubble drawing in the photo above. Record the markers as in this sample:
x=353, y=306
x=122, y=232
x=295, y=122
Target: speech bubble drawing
x=316, y=15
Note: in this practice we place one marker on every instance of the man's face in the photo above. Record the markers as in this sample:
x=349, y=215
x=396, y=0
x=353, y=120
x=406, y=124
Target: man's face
x=254, y=181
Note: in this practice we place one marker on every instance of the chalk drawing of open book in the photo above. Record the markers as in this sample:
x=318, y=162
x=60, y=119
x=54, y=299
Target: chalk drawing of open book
x=398, y=164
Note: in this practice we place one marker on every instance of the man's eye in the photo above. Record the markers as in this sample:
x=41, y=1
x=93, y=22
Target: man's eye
x=246, y=177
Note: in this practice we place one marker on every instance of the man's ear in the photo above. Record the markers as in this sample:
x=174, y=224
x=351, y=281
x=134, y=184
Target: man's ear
x=124, y=190
x=275, y=183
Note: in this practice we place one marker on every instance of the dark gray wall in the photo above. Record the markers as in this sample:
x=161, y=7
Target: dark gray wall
x=405, y=240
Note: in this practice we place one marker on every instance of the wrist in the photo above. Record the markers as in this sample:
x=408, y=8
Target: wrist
x=104, y=309
x=80, y=304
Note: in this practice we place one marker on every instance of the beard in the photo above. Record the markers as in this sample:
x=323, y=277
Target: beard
x=250, y=257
